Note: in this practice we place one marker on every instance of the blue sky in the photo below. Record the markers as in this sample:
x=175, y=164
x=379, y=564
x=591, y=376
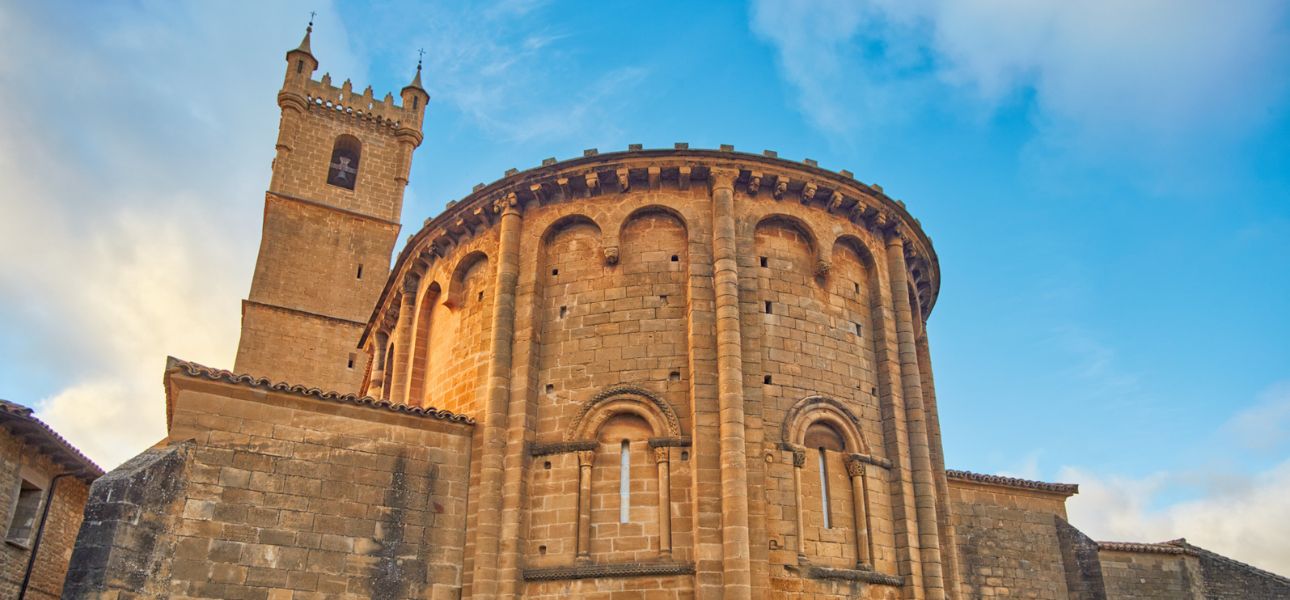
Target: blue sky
x=1107, y=185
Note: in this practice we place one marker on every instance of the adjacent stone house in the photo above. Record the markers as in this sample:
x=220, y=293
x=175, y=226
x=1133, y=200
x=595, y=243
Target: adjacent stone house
x=44, y=482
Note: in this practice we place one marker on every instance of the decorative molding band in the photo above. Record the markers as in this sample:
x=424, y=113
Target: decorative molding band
x=876, y=461
x=670, y=442
x=547, y=448
x=303, y=313
x=608, y=571
x=873, y=577
x=1012, y=482
x=1143, y=548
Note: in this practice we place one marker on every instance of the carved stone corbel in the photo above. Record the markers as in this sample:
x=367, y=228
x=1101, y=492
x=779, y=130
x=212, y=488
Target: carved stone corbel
x=655, y=176
x=611, y=255
x=624, y=180
x=781, y=186
x=593, y=182
x=808, y=192
x=563, y=183
x=754, y=183
x=683, y=178
x=538, y=192
x=822, y=268
x=835, y=201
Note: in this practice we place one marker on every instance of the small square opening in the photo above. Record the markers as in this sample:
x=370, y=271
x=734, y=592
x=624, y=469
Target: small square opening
x=555, y=271
x=765, y=262
x=550, y=388
x=564, y=310
x=766, y=380
x=675, y=258
x=674, y=376
x=350, y=364
x=769, y=310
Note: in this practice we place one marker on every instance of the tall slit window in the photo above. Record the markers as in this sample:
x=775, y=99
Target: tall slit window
x=342, y=171
x=824, y=489
x=625, y=483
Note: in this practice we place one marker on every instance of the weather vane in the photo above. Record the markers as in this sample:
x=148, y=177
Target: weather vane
x=420, y=53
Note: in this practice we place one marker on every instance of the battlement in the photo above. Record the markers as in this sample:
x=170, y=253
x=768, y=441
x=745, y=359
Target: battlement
x=385, y=112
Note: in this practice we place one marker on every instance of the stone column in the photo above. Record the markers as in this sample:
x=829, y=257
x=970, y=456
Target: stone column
x=583, y=547
x=497, y=405
x=736, y=568
x=664, y=502
x=403, y=339
x=944, y=513
x=855, y=469
x=915, y=421
x=799, y=462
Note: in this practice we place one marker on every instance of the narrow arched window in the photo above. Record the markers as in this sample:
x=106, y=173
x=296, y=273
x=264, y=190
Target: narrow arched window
x=625, y=483
x=824, y=488
x=342, y=171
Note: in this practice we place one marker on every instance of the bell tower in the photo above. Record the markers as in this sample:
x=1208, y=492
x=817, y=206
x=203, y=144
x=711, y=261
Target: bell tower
x=331, y=219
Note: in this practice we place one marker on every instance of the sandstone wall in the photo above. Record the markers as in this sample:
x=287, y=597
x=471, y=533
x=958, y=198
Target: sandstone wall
x=1151, y=576
x=284, y=495
x=1009, y=542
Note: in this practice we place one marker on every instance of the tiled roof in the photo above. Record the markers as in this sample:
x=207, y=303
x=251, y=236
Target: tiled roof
x=19, y=420
x=1141, y=547
x=191, y=369
x=1197, y=550
x=1043, y=486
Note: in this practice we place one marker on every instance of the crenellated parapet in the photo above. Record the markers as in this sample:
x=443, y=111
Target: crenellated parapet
x=756, y=178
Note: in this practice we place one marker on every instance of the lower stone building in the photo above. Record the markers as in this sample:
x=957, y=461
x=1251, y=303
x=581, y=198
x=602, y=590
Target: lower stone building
x=44, y=483
x=651, y=374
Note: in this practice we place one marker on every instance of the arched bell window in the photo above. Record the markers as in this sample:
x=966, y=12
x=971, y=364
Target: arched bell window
x=342, y=171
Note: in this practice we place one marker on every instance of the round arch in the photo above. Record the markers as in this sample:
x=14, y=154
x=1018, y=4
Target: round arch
x=823, y=410
x=624, y=400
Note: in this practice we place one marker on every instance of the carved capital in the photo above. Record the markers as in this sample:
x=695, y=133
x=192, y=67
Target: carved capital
x=855, y=468
x=508, y=204
x=410, y=285
x=586, y=457
x=661, y=455
x=722, y=178
x=611, y=255
x=799, y=458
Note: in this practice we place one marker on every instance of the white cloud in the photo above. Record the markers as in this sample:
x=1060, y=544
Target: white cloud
x=1101, y=73
x=1265, y=426
x=135, y=151
x=1246, y=518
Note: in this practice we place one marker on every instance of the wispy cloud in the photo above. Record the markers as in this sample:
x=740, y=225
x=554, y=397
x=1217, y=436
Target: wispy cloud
x=1264, y=426
x=1099, y=75
x=509, y=72
x=134, y=155
x=1246, y=518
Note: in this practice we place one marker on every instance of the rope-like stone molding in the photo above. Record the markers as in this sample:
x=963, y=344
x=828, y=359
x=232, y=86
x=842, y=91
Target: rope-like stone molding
x=548, y=448
x=873, y=577
x=669, y=416
x=785, y=428
x=608, y=571
x=191, y=369
x=1027, y=484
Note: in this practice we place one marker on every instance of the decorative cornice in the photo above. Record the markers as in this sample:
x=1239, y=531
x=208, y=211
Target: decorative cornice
x=1067, y=489
x=175, y=366
x=584, y=177
x=873, y=577
x=608, y=571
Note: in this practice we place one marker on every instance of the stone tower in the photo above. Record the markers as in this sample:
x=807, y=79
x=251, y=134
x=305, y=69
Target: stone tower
x=331, y=218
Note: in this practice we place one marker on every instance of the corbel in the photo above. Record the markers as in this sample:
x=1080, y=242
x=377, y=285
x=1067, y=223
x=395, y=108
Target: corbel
x=593, y=182
x=563, y=182
x=538, y=192
x=683, y=178
x=835, y=201
x=624, y=180
x=655, y=175
x=808, y=192
x=781, y=186
x=754, y=182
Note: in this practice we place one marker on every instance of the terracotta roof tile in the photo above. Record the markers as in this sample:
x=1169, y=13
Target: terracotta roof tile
x=191, y=369
x=1043, y=486
x=20, y=420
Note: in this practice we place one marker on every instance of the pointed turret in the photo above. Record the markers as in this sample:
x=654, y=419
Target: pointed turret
x=301, y=62
x=414, y=96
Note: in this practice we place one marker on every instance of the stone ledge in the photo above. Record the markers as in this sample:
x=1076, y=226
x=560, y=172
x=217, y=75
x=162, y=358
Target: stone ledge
x=670, y=442
x=873, y=577
x=545, y=448
x=608, y=571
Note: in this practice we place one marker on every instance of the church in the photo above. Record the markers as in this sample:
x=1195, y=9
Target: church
x=644, y=374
